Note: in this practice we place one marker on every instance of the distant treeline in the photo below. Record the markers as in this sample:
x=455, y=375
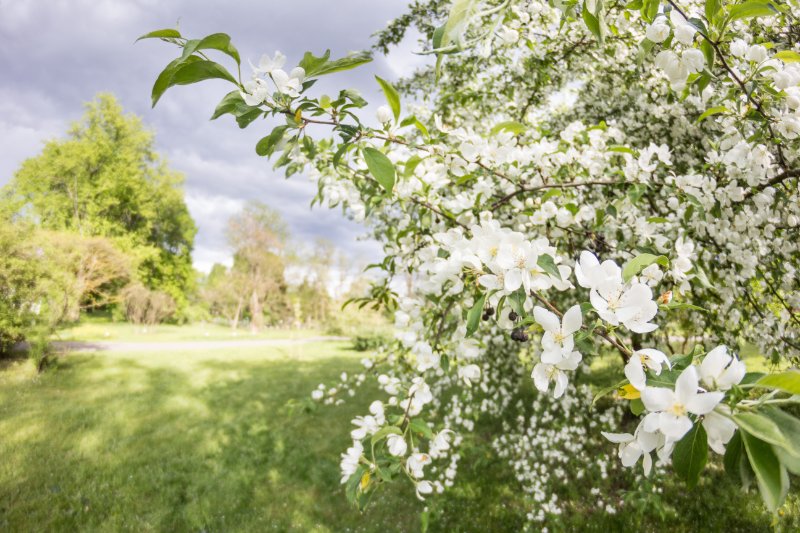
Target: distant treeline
x=98, y=221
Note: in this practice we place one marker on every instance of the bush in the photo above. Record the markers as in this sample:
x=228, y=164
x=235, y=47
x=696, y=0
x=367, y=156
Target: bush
x=364, y=343
x=145, y=306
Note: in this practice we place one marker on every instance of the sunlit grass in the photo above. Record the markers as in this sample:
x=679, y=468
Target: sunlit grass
x=224, y=441
x=102, y=329
x=180, y=442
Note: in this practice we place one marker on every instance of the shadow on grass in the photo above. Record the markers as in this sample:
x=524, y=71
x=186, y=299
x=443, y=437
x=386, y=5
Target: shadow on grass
x=117, y=444
x=115, y=447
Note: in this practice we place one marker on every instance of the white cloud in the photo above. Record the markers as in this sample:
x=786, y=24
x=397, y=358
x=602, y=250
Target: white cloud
x=404, y=59
x=57, y=54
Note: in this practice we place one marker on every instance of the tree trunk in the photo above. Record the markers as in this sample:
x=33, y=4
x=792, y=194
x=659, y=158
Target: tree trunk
x=256, y=316
x=235, y=320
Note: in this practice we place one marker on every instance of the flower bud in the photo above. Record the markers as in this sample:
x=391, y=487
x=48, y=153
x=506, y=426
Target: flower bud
x=658, y=31
x=384, y=114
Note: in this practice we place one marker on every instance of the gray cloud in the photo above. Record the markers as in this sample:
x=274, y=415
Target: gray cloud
x=57, y=54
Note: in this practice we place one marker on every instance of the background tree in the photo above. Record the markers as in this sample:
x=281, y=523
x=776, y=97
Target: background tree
x=223, y=294
x=145, y=306
x=20, y=283
x=105, y=179
x=258, y=235
x=312, y=298
x=92, y=269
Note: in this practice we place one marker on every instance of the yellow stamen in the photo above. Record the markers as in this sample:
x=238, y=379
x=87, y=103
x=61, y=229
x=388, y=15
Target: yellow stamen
x=678, y=410
x=629, y=392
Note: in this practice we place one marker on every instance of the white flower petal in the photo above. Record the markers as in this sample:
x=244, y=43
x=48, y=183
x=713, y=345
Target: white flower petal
x=573, y=320
x=549, y=321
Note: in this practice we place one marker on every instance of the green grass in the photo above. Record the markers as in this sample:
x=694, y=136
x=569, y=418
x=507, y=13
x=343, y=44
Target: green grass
x=221, y=441
x=181, y=442
x=102, y=329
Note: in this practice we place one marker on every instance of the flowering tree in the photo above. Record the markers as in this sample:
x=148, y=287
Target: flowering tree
x=571, y=179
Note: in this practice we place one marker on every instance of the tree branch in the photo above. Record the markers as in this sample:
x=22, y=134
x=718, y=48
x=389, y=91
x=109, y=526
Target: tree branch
x=507, y=198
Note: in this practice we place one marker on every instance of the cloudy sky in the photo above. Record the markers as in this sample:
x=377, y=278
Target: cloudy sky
x=57, y=54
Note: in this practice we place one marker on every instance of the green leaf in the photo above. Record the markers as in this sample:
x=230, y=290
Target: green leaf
x=187, y=71
x=392, y=96
x=640, y=262
x=168, y=33
x=351, y=488
x=474, y=315
x=760, y=427
x=438, y=35
x=711, y=9
x=690, y=455
x=164, y=78
x=751, y=377
x=266, y=146
x=636, y=406
x=231, y=103
x=712, y=111
x=787, y=381
x=709, y=54
x=681, y=361
x=682, y=305
x=215, y=41
x=421, y=127
x=517, y=301
x=385, y=432
x=701, y=276
x=418, y=425
x=195, y=71
x=514, y=127
x=318, y=66
x=457, y=21
x=649, y=9
x=621, y=149
x=773, y=481
x=608, y=390
x=593, y=23
x=752, y=9
x=244, y=119
x=411, y=165
x=733, y=455
x=380, y=167
x=789, y=461
x=548, y=264
x=789, y=427
x=787, y=56
x=667, y=379
x=705, y=78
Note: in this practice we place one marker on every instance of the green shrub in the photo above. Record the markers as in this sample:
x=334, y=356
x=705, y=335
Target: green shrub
x=364, y=343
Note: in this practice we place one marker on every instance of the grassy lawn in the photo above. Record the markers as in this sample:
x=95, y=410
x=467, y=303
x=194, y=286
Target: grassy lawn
x=220, y=441
x=180, y=442
x=102, y=329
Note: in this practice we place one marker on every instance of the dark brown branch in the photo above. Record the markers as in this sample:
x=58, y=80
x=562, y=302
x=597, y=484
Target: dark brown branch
x=507, y=198
x=780, y=178
x=428, y=206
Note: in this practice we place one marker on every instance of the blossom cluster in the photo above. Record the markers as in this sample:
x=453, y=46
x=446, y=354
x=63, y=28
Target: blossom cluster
x=633, y=194
x=669, y=410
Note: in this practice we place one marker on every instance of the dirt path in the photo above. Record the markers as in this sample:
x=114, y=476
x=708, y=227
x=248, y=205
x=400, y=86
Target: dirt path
x=119, y=346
